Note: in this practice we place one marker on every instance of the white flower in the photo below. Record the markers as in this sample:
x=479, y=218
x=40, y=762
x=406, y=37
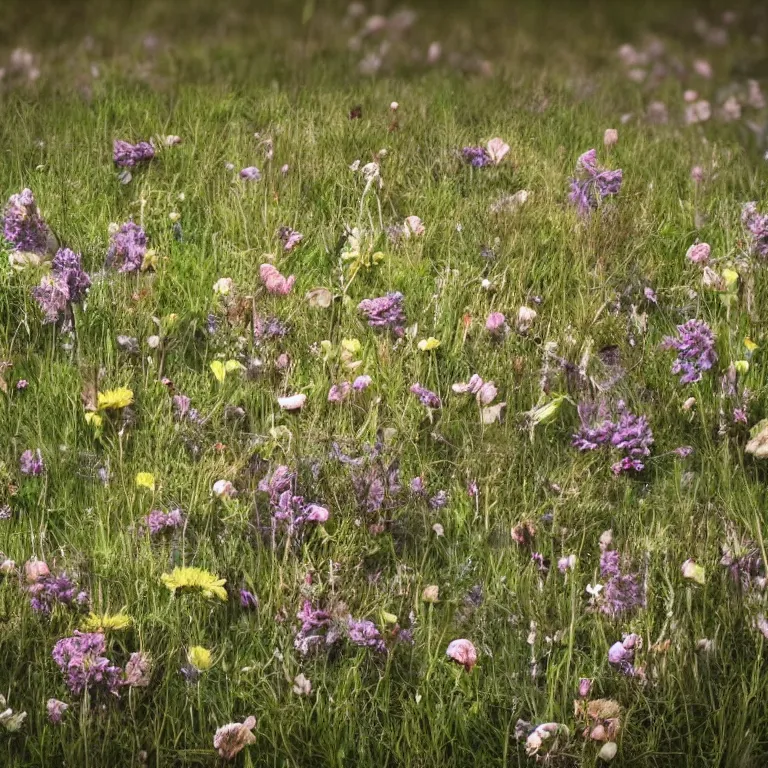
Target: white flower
x=497, y=148
x=413, y=226
x=223, y=489
x=292, y=403
x=223, y=286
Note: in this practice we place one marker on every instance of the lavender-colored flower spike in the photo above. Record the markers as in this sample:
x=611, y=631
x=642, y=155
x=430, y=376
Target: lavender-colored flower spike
x=127, y=248
x=67, y=284
x=31, y=462
x=757, y=226
x=477, y=157
x=67, y=266
x=592, y=183
x=23, y=226
x=365, y=634
x=80, y=658
x=695, y=347
x=126, y=155
x=385, y=312
x=426, y=396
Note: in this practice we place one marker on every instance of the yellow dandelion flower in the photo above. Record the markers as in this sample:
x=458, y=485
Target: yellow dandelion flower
x=106, y=623
x=145, y=480
x=196, y=579
x=749, y=344
x=199, y=658
x=427, y=345
x=114, y=399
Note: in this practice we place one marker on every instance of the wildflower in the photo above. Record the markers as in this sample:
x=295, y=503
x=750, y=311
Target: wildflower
x=145, y=480
x=431, y=594
x=427, y=345
x=426, y=396
x=623, y=591
x=47, y=590
x=290, y=238
x=621, y=655
x=413, y=226
x=534, y=741
x=114, y=399
x=232, y=738
x=248, y=600
x=385, y=312
x=565, y=564
x=496, y=149
x=477, y=157
x=23, y=226
x=339, y=392
x=462, y=652
x=275, y=283
x=757, y=226
x=31, y=462
x=693, y=572
x=200, y=658
x=220, y=370
x=484, y=391
x=127, y=248
x=585, y=686
x=126, y=155
x=365, y=634
x=496, y=324
x=361, y=383
x=698, y=253
x=56, y=710
x=106, y=623
x=592, y=184
x=695, y=347
x=301, y=685
x=251, y=173
x=223, y=489
x=223, y=286
x=21, y=385
x=81, y=658
x=138, y=670
x=66, y=285
x=195, y=579
x=525, y=318
x=157, y=521
x=683, y=451
x=292, y=402
x=610, y=138
x=697, y=112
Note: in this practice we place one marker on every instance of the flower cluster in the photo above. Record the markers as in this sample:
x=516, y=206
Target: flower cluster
x=157, y=521
x=47, y=590
x=623, y=591
x=592, y=184
x=630, y=434
x=31, y=463
x=66, y=285
x=426, y=396
x=126, y=155
x=24, y=227
x=127, y=248
x=385, y=312
x=695, y=347
x=81, y=658
x=477, y=157
x=757, y=226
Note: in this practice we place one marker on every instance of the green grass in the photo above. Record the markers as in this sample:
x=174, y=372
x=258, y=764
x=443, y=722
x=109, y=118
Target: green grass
x=218, y=77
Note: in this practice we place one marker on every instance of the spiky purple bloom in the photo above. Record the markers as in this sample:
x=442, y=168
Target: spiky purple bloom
x=317, y=628
x=67, y=284
x=56, y=710
x=248, y=600
x=426, y=396
x=376, y=485
x=365, y=634
x=268, y=328
x=757, y=226
x=592, y=183
x=362, y=383
x=67, y=266
x=81, y=658
x=293, y=512
x=126, y=155
x=127, y=248
x=695, y=347
x=477, y=157
x=745, y=565
x=158, y=522
x=23, y=225
x=621, y=655
x=623, y=591
x=31, y=462
x=385, y=312
x=277, y=482
x=630, y=433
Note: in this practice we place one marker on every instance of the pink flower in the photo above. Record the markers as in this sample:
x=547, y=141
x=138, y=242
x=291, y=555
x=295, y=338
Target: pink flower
x=317, y=514
x=274, y=281
x=462, y=652
x=487, y=393
x=497, y=149
x=413, y=226
x=610, y=137
x=361, y=383
x=35, y=570
x=698, y=253
x=292, y=403
x=233, y=737
x=702, y=68
x=496, y=324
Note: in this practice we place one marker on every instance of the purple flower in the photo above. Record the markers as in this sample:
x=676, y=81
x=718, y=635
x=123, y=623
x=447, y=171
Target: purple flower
x=66, y=285
x=426, y=396
x=365, y=634
x=439, y=500
x=290, y=238
x=126, y=155
x=592, y=183
x=251, y=173
x=496, y=324
x=23, y=226
x=621, y=655
x=623, y=591
x=757, y=226
x=21, y=385
x=565, y=564
x=56, y=710
x=31, y=462
x=339, y=392
x=695, y=347
x=158, y=522
x=385, y=312
x=361, y=383
x=316, y=629
x=127, y=248
x=48, y=591
x=477, y=157
x=585, y=686
x=683, y=451
x=278, y=482
x=80, y=658
x=248, y=600
x=138, y=670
